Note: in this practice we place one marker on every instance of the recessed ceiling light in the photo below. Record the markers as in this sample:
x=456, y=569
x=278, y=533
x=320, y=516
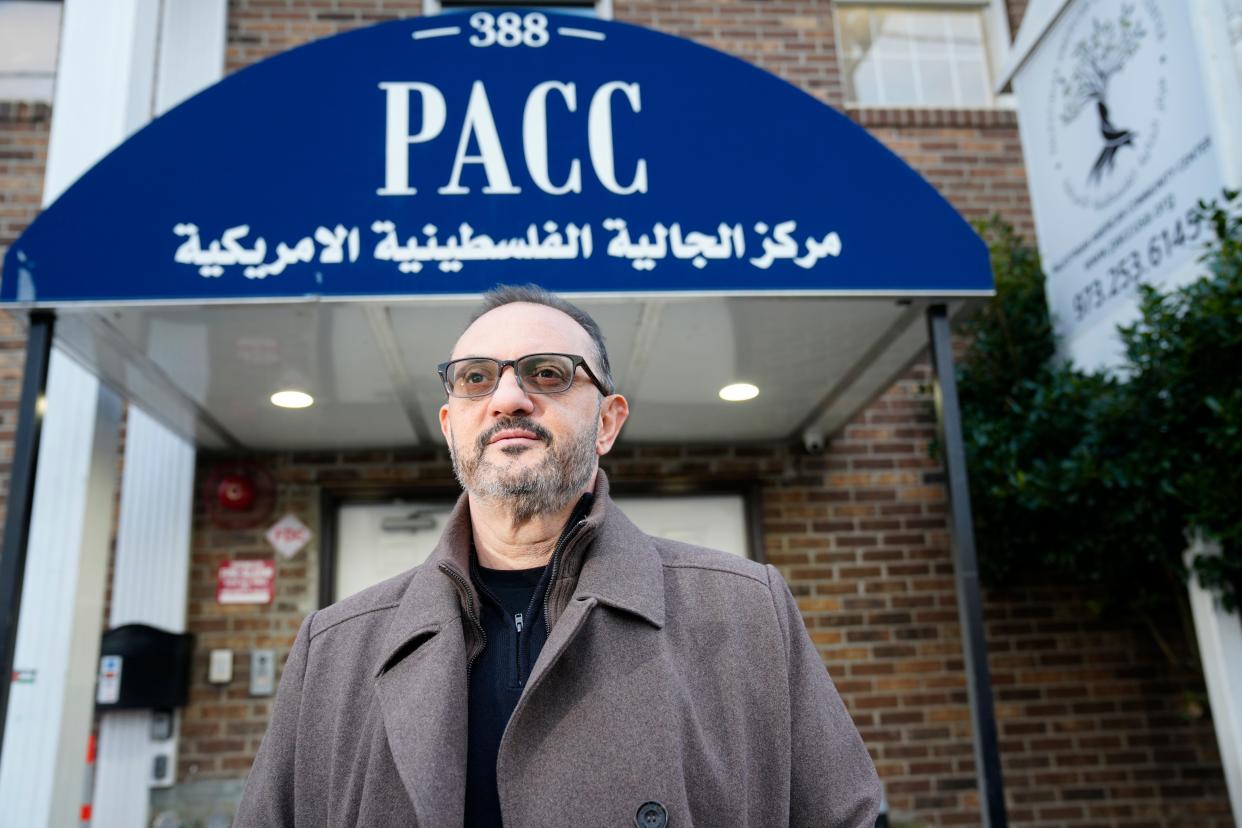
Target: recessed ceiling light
x=739, y=392
x=292, y=399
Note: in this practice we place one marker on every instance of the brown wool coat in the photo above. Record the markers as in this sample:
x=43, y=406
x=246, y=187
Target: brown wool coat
x=672, y=674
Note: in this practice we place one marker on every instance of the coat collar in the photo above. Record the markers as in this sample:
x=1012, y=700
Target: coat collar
x=622, y=567
x=432, y=598
x=610, y=559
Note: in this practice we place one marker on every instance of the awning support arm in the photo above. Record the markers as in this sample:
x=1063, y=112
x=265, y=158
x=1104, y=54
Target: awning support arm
x=21, y=495
x=966, y=572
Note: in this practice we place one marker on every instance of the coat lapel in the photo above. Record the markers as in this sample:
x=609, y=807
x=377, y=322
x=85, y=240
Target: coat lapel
x=423, y=699
x=421, y=683
x=621, y=570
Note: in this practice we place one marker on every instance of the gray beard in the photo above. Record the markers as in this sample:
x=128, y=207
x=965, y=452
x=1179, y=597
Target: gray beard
x=547, y=488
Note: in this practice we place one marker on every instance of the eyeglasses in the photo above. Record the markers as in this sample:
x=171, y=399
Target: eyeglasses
x=535, y=374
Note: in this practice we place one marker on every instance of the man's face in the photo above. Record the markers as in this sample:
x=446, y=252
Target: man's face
x=532, y=453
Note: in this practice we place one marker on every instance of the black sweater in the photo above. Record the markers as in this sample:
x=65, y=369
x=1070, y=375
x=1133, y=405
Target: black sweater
x=511, y=612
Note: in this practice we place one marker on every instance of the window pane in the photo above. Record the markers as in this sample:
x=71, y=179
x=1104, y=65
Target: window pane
x=897, y=79
x=894, y=55
x=932, y=47
x=582, y=8
x=963, y=26
x=894, y=31
x=934, y=77
x=854, y=47
x=865, y=83
x=29, y=33
x=973, y=84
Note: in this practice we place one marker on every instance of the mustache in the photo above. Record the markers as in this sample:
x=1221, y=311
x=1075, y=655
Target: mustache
x=523, y=423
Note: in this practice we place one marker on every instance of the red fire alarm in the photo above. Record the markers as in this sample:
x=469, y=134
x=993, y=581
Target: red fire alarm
x=235, y=493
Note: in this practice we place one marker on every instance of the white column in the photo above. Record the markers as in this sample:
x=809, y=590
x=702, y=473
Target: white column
x=119, y=62
x=151, y=572
x=149, y=585
x=104, y=84
x=42, y=775
x=1220, y=650
x=104, y=75
x=193, y=36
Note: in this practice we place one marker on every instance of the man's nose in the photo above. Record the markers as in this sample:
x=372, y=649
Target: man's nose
x=509, y=398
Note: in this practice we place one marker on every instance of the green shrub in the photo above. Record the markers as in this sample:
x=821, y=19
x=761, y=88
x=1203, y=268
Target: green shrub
x=1094, y=479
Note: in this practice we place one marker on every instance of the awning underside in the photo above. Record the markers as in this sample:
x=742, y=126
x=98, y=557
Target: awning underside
x=209, y=372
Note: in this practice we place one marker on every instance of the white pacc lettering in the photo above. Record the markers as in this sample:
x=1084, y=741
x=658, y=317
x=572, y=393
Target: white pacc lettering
x=397, y=139
x=599, y=138
x=535, y=137
x=479, y=124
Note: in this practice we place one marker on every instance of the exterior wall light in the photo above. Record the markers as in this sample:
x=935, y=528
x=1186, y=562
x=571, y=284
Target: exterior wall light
x=292, y=399
x=739, y=392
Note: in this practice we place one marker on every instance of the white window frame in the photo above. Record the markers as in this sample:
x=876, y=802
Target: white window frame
x=601, y=8
x=996, y=31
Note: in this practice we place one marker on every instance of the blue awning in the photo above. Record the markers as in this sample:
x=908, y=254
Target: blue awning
x=442, y=155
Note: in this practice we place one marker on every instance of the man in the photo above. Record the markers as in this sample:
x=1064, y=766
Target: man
x=550, y=664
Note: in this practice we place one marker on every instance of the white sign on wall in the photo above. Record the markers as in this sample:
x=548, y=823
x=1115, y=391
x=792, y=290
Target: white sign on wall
x=1119, y=149
x=245, y=582
x=288, y=535
x=108, y=689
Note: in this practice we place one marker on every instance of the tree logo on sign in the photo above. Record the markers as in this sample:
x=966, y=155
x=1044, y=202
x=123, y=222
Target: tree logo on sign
x=1109, y=77
x=1096, y=58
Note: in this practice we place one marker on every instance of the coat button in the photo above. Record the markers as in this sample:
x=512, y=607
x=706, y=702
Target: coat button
x=651, y=815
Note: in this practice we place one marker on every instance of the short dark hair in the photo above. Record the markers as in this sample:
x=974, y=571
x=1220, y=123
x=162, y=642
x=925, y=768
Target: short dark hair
x=502, y=295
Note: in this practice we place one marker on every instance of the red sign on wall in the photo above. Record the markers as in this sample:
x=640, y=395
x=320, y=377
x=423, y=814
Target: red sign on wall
x=245, y=582
x=288, y=535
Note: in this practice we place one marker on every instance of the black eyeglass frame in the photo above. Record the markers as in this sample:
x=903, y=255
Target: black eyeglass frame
x=576, y=360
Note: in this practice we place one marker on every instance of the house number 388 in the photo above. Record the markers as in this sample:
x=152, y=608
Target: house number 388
x=509, y=29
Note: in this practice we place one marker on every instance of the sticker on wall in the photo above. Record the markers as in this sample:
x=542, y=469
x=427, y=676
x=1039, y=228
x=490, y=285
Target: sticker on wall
x=109, y=687
x=289, y=535
x=245, y=582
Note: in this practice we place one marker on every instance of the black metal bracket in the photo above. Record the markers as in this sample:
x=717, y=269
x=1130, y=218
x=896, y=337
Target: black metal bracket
x=966, y=572
x=21, y=495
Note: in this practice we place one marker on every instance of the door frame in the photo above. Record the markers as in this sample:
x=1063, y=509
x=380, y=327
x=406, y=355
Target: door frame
x=332, y=497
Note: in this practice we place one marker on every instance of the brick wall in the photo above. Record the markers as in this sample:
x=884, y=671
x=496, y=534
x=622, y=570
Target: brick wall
x=23, y=154
x=973, y=158
x=1016, y=10
x=1096, y=727
x=12, y=366
x=259, y=29
x=792, y=39
x=222, y=726
x=1093, y=721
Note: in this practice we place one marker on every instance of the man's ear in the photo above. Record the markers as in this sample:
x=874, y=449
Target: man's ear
x=613, y=412
x=445, y=428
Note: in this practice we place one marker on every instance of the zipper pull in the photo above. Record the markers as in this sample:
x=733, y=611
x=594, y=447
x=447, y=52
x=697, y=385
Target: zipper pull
x=517, y=619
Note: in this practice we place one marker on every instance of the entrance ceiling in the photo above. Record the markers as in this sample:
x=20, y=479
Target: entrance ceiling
x=208, y=372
